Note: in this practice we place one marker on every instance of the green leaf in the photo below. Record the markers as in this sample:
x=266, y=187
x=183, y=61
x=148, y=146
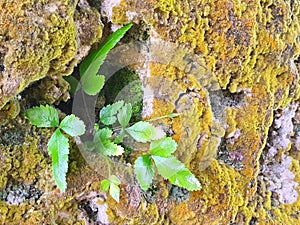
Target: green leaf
x=92, y=83
x=184, y=178
x=125, y=114
x=73, y=82
x=102, y=134
x=114, y=179
x=112, y=149
x=157, y=133
x=89, y=67
x=43, y=116
x=107, y=113
x=105, y=185
x=114, y=191
x=104, y=145
x=163, y=147
x=92, y=63
x=144, y=131
x=144, y=171
x=72, y=125
x=58, y=148
x=167, y=167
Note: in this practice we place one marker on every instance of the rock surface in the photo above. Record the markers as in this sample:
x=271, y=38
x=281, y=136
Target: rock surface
x=239, y=125
x=42, y=38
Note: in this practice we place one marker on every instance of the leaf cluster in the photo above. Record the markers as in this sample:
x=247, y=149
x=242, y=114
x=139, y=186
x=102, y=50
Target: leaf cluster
x=166, y=164
x=107, y=141
x=161, y=148
x=58, y=145
x=112, y=184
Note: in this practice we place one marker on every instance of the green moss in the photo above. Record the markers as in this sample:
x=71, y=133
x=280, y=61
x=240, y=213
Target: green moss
x=10, y=111
x=125, y=85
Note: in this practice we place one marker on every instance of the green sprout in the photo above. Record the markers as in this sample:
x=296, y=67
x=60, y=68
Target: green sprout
x=161, y=148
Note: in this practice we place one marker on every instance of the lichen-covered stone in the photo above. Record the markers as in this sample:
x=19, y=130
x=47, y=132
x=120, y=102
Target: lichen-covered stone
x=251, y=48
x=238, y=129
x=27, y=191
x=42, y=38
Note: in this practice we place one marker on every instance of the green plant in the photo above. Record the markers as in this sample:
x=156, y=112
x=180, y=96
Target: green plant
x=112, y=184
x=107, y=141
x=161, y=148
x=90, y=82
x=58, y=145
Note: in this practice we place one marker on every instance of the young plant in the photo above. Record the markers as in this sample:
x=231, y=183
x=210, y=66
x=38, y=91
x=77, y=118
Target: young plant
x=112, y=184
x=58, y=145
x=161, y=148
x=166, y=164
x=90, y=82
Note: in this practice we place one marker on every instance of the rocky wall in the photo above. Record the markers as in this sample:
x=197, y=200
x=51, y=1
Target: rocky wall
x=238, y=131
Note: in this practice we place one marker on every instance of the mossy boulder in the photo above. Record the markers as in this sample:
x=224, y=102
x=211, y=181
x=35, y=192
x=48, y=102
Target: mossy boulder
x=43, y=38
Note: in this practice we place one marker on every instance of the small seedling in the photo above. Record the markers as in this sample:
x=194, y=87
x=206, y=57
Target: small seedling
x=161, y=148
x=112, y=184
x=58, y=145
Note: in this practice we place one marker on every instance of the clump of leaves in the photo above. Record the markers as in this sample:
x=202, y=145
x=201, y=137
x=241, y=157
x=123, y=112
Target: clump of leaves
x=90, y=82
x=161, y=148
x=166, y=164
x=106, y=140
x=58, y=145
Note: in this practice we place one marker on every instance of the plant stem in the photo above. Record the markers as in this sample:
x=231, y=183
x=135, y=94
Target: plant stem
x=170, y=116
x=108, y=166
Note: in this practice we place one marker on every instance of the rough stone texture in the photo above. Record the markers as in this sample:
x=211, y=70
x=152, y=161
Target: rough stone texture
x=238, y=130
x=251, y=48
x=42, y=38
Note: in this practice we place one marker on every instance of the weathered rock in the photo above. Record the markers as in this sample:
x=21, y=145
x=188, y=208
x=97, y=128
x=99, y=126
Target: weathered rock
x=43, y=38
x=251, y=49
x=238, y=130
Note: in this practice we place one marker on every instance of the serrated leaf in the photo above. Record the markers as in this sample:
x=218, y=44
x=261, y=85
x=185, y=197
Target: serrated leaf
x=43, y=116
x=163, y=147
x=144, y=171
x=157, y=133
x=102, y=134
x=184, y=178
x=124, y=115
x=112, y=149
x=143, y=131
x=72, y=125
x=114, y=192
x=58, y=148
x=167, y=167
x=92, y=83
x=108, y=113
x=114, y=179
x=105, y=185
x=104, y=145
